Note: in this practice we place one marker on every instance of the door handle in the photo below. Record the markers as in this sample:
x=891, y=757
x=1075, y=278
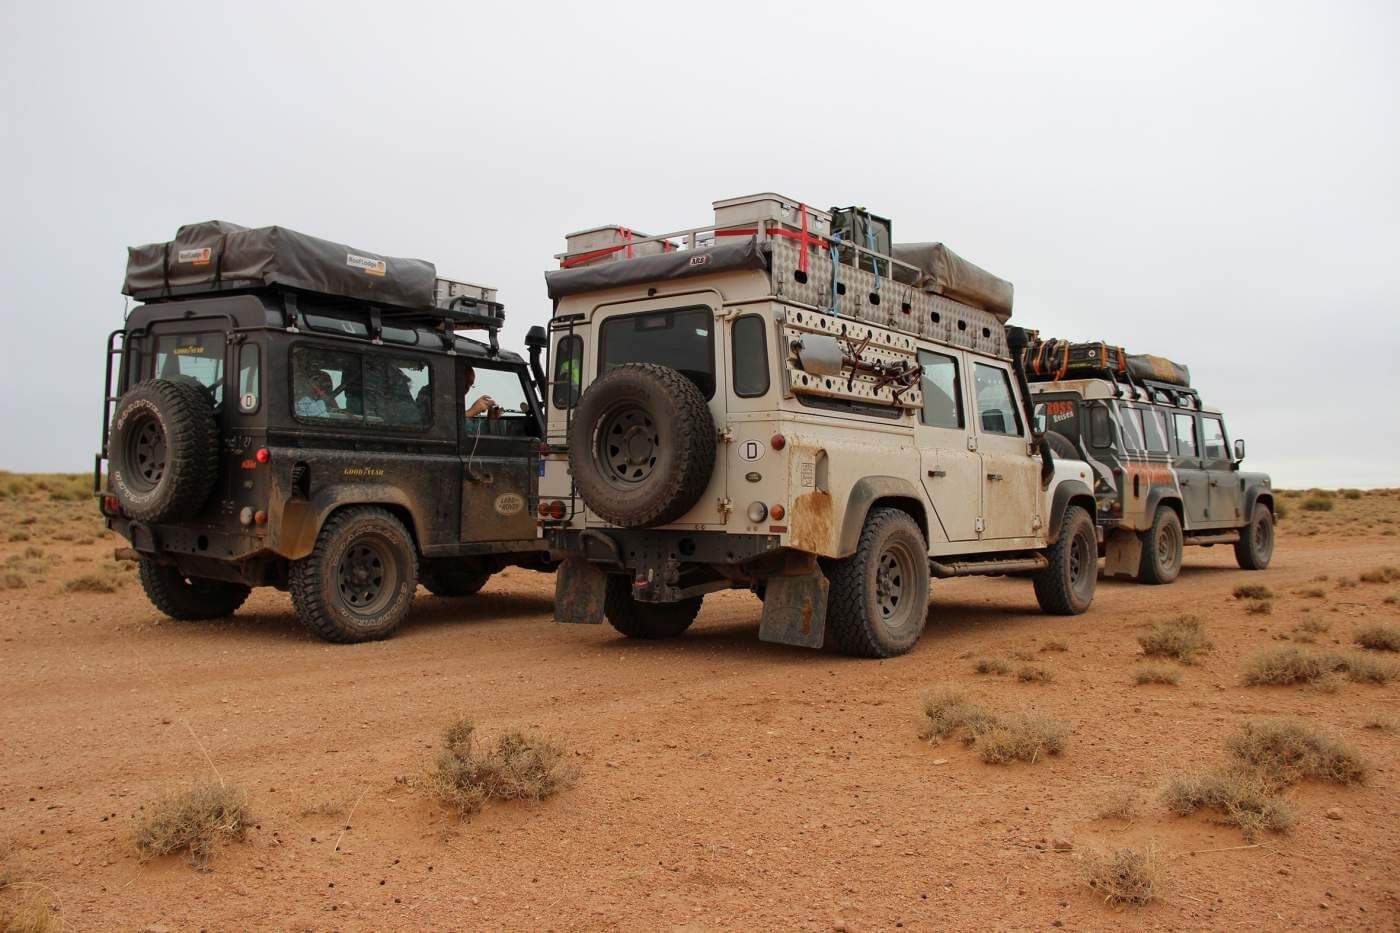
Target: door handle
x=994, y=476
x=936, y=474
x=1185, y=482
x=1215, y=482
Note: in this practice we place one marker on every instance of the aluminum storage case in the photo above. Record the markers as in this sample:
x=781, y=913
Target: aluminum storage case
x=752, y=209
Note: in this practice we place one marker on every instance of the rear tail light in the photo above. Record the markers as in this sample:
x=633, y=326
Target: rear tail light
x=777, y=512
x=263, y=455
x=111, y=505
x=552, y=510
x=778, y=442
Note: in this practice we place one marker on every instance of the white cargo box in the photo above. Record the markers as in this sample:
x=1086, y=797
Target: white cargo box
x=446, y=291
x=754, y=208
x=608, y=244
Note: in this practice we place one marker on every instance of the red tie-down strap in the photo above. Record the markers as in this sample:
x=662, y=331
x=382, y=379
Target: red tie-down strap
x=802, y=256
x=626, y=239
x=805, y=239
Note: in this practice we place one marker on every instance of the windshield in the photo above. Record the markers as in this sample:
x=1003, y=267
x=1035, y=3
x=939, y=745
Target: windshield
x=681, y=338
x=1060, y=416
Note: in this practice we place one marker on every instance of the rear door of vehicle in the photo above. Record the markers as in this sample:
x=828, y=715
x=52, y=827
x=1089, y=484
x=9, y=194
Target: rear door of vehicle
x=1190, y=472
x=499, y=450
x=949, y=464
x=1011, y=477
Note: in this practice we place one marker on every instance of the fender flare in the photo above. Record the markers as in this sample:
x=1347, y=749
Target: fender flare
x=1252, y=496
x=1159, y=496
x=300, y=520
x=865, y=493
x=1066, y=492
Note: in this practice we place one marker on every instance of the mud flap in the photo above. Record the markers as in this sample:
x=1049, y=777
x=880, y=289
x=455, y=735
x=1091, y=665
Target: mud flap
x=1122, y=553
x=794, y=610
x=579, y=588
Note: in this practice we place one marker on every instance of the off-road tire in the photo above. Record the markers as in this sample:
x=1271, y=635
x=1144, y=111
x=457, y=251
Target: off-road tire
x=450, y=579
x=189, y=599
x=1066, y=587
x=877, y=604
x=357, y=583
x=1162, y=548
x=670, y=445
x=1255, y=548
x=163, y=450
x=1062, y=447
x=646, y=620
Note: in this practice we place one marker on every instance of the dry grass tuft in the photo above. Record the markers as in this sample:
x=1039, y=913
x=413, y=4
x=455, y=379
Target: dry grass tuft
x=1317, y=504
x=991, y=666
x=1380, y=637
x=92, y=583
x=1282, y=667
x=1287, y=751
x=331, y=806
x=1181, y=638
x=36, y=913
x=1124, y=805
x=1387, y=724
x=1126, y=876
x=1055, y=644
x=1020, y=654
x=1247, y=800
x=1313, y=592
x=1156, y=674
x=1345, y=583
x=1035, y=674
x=518, y=766
x=996, y=739
x=1365, y=669
x=1385, y=574
x=1253, y=591
x=1314, y=626
x=195, y=819
x=1259, y=608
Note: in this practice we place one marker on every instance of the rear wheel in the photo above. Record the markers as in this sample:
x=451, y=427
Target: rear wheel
x=1161, y=548
x=878, y=601
x=646, y=620
x=357, y=584
x=1255, y=548
x=189, y=599
x=1066, y=587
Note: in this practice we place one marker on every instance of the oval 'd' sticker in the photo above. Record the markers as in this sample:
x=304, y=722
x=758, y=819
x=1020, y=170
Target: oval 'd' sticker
x=750, y=451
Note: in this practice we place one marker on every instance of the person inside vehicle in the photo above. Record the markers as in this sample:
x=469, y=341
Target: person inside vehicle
x=485, y=405
x=313, y=394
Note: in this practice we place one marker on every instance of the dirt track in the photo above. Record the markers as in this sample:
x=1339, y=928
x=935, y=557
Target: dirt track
x=725, y=783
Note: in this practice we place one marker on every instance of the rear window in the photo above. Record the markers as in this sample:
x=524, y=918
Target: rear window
x=333, y=386
x=681, y=338
x=192, y=356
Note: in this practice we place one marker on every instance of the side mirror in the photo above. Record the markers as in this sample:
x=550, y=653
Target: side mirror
x=1239, y=449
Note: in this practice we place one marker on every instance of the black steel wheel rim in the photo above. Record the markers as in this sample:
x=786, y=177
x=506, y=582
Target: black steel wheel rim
x=367, y=576
x=627, y=447
x=145, y=453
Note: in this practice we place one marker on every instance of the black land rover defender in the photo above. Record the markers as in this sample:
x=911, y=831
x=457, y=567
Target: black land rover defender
x=289, y=412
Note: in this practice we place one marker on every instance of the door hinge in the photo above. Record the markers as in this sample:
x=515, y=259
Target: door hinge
x=1035, y=523
x=980, y=526
x=726, y=434
x=972, y=443
x=725, y=506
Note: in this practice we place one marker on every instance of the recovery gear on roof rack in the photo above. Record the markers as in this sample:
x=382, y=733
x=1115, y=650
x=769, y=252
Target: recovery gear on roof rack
x=1055, y=359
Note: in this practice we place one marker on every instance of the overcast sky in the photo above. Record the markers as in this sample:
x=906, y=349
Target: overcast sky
x=1217, y=183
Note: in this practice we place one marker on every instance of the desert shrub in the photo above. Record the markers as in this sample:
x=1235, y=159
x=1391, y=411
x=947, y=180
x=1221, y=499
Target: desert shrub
x=1259, y=608
x=1392, y=600
x=1379, y=637
x=1317, y=504
x=1365, y=669
x=330, y=806
x=1034, y=674
x=1313, y=593
x=1345, y=583
x=1020, y=654
x=517, y=766
x=996, y=739
x=16, y=536
x=14, y=581
x=1380, y=723
x=1055, y=644
x=35, y=913
x=195, y=819
x=1314, y=626
x=1123, y=805
x=1350, y=493
x=1281, y=667
x=991, y=666
x=1281, y=510
x=1181, y=638
x=1287, y=751
x=1156, y=674
x=1253, y=591
x=1125, y=876
x=1243, y=798
x=92, y=583
x=1385, y=574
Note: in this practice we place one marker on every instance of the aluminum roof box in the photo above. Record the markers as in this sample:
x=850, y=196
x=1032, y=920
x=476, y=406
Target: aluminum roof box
x=751, y=209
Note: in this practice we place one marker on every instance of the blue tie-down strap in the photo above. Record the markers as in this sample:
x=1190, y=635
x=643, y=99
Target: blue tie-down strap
x=870, y=245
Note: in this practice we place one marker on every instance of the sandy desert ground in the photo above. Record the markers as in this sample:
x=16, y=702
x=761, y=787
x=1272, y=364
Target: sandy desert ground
x=722, y=783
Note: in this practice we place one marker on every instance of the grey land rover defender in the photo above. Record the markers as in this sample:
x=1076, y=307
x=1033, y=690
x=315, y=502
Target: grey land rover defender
x=286, y=411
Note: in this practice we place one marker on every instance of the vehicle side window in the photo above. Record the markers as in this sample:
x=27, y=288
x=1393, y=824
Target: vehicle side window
x=942, y=391
x=347, y=387
x=1213, y=430
x=1100, y=426
x=1131, y=421
x=192, y=356
x=249, y=377
x=1185, y=436
x=1156, y=433
x=681, y=338
x=568, y=370
x=750, y=351
x=995, y=402
x=511, y=416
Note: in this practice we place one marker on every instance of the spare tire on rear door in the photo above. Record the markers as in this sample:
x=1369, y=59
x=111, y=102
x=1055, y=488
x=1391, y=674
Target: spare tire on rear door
x=642, y=445
x=163, y=450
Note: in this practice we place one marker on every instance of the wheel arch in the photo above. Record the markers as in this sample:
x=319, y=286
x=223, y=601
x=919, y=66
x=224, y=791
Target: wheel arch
x=1169, y=498
x=301, y=520
x=873, y=492
x=1259, y=495
x=1070, y=492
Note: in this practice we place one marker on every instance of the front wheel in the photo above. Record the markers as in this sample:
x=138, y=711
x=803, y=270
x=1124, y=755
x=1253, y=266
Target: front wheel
x=878, y=601
x=646, y=620
x=189, y=599
x=1066, y=587
x=357, y=584
x=1161, y=548
x=1255, y=548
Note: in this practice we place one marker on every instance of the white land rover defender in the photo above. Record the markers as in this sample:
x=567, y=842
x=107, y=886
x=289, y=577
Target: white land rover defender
x=788, y=402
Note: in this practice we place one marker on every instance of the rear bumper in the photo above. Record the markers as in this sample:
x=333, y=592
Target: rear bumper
x=629, y=548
